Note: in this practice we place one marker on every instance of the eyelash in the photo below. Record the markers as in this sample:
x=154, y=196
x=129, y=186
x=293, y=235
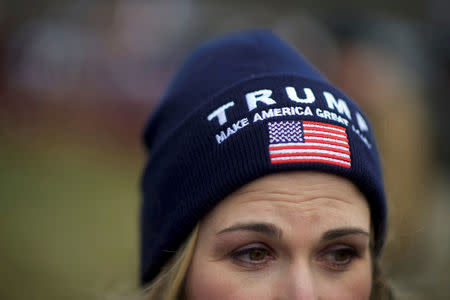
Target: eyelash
x=331, y=262
x=328, y=256
x=238, y=255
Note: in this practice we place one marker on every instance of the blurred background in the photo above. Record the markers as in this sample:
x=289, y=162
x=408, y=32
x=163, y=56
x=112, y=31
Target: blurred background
x=78, y=80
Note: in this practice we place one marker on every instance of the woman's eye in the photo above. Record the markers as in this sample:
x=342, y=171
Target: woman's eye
x=252, y=256
x=257, y=254
x=342, y=255
x=340, y=259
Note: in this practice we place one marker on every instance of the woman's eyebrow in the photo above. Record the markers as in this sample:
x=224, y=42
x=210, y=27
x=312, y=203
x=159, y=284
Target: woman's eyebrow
x=264, y=228
x=339, y=232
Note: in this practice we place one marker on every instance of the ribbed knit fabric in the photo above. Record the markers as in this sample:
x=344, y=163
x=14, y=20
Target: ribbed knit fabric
x=233, y=103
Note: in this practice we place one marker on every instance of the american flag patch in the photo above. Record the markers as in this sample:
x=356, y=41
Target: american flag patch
x=306, y=141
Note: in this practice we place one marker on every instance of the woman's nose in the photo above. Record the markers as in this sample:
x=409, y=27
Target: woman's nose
x=299, y=283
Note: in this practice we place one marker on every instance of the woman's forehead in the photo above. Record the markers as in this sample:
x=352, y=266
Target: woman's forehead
x=295, y=198
x=298, y=187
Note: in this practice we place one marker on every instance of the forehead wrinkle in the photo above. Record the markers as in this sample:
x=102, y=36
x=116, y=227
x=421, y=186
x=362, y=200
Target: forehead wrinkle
x=301, y=183
x=312, y=208
x=296, y=195
x=292, y=197
x=312, y=211
x=304, y=205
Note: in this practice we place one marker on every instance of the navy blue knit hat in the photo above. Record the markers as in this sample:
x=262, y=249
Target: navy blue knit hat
x=242, y=107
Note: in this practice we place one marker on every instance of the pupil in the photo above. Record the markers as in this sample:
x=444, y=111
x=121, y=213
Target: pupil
x=340, y=255
x=257, y=254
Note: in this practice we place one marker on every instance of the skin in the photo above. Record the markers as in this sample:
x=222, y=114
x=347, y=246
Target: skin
x=296, y=235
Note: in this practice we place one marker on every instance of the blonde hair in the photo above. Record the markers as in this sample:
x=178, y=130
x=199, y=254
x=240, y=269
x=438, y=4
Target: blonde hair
x=169, y=284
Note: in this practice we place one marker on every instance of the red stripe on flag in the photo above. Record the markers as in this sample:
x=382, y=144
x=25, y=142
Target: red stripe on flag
x=325, y=130
x=324, y=135
x=313, y=140
x=323, y=124
x=311, y=160
x=324, y=147
x=310, y=154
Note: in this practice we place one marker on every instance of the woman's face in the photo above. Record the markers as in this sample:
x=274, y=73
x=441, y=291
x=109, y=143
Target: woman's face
x=299, y=235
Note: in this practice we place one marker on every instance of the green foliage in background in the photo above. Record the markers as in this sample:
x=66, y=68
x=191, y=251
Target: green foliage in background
x=68, y=219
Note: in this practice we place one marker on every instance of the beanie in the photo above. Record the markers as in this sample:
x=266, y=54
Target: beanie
x=241, y=107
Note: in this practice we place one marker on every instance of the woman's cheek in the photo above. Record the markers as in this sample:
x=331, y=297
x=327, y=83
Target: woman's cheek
x=206, y=282
x=354, y=285
x=361, y=285
x=219, y=282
